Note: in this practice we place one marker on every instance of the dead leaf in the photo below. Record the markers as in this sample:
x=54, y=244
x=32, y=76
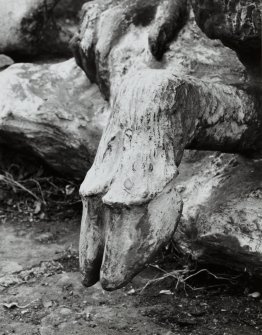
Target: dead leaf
x=38, y=207
x=254, y=295
x=69, y=189
x=167, y=292
x=25, y=311
x=11, y=305
x=131, y=292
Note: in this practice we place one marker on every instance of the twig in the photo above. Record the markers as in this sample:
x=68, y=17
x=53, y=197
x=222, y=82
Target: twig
x=181, y=277
x=14, y=304
x=11, y=181
x=39, y=188
x=210, y=273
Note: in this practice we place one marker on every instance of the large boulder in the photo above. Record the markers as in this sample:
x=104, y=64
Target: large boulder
x=52, y=112
x=169, y=88
x=222, y=214
x=37, y=27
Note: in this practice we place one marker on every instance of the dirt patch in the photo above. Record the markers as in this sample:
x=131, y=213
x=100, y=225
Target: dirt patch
x=41, y=290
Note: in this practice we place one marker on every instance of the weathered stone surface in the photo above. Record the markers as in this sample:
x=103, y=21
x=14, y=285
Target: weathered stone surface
x=131, y=206
x=167, y=91
x=222, y=214
x=33, y=27
x=106, y=22
x=108, y=57
x=237, y=24
x=52, y=112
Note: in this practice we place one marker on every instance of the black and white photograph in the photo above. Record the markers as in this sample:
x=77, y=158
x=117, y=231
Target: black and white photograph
x=131, y=167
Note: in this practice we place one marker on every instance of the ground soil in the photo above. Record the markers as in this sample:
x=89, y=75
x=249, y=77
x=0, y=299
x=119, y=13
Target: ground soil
x=41, y=290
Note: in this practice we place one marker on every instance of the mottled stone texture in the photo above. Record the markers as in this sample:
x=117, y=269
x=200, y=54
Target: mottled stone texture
x=169, y=87
x=104, y=23
x=221, y=221
x=237, y=23
x=53, y=113
x=154, y=116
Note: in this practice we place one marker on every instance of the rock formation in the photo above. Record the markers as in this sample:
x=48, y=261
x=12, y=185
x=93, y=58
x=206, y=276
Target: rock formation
x=237, y=24
x=171, y=80
x=222, y=213
x=53, y=113
x=168, y=90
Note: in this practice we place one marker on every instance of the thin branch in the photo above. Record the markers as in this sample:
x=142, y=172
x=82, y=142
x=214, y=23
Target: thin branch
x=12, y=182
